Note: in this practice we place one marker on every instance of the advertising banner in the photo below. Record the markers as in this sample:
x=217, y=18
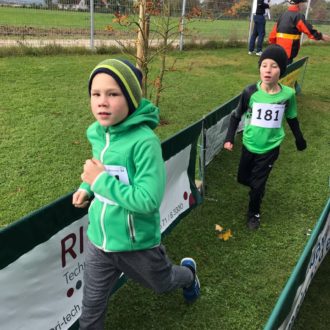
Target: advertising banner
x=294, y=75
x=43, y=288
x=293, y=294
x=42, y=255
x=181, y=195
x=215, y=128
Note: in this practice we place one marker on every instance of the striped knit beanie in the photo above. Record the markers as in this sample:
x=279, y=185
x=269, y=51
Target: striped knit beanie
x=127, y=76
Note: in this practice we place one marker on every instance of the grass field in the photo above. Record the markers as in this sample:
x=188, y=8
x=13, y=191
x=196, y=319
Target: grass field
x=43, y=116
x=77, y=21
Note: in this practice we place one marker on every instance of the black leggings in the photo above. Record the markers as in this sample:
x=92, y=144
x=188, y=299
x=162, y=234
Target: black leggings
x=253, y=171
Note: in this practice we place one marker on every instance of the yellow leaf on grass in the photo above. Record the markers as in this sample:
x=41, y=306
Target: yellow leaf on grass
x=226, y=235
x=218, y=228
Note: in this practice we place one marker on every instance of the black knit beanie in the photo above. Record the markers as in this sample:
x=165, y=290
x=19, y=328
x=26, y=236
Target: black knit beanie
x=277, y=54
x=127, y=76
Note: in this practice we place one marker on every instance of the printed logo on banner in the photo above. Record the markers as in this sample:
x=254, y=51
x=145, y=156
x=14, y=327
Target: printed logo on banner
x=44, y=285
x=181, y=206
x=319, y=251
x=72, y=245
x=73, y=266
x=178, y=196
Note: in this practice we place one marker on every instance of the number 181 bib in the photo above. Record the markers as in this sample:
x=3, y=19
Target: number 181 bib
x=267, y=115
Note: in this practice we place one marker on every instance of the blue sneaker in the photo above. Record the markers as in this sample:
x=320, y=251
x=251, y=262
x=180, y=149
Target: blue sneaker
x=193, y=291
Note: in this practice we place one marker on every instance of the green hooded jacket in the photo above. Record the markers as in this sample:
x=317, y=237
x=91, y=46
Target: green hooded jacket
x=124, y=214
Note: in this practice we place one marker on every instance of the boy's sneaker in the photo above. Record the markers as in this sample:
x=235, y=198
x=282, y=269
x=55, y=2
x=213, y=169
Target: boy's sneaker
x=259, y=53
x=250, y=53
x=193, y=291
x=253, y=222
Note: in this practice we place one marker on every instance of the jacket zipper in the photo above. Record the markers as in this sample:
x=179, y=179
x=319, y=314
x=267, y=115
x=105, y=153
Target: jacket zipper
x=107, y=143
x=131, y=228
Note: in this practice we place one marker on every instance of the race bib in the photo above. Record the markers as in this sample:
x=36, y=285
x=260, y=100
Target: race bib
x=267, y=115
x=120, y=173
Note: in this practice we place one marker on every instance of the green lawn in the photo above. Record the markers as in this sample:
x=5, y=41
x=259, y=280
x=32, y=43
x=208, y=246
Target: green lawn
x=43, y=116
x=50, y=18
x=196, y=28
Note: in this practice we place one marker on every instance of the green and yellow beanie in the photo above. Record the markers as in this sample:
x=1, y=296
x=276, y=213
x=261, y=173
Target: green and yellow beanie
x=127, y=76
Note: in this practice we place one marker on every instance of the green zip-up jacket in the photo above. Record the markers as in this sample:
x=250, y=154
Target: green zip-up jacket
x=124, y=214
x=263, y=115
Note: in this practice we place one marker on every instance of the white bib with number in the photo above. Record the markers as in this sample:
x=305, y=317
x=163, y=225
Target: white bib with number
x=120, y=173
x=267, y=115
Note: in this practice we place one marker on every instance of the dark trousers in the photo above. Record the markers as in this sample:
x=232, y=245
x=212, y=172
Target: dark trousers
x=259, y=29
x=253, y=171
x=151, y=268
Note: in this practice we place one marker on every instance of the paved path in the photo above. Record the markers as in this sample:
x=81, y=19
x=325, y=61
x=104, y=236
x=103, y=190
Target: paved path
x=71, y=42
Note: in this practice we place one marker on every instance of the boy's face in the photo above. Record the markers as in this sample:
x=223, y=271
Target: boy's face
x=108, y=103
x=269, y=72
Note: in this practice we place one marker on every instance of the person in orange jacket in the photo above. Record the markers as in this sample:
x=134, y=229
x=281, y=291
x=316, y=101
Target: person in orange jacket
x=289, y=27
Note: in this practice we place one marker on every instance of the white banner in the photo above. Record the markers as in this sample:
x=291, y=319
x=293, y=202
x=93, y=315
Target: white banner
x=178, y=192
x=42, y=290
x=215, y=138
x=320, y=250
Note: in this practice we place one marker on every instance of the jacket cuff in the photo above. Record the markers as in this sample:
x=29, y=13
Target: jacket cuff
x=295, y=128
x=86, y=187
x=97, y=179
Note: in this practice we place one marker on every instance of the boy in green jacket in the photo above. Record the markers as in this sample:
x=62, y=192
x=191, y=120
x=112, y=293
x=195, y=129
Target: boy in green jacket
x=126, y=177
x=263, y=107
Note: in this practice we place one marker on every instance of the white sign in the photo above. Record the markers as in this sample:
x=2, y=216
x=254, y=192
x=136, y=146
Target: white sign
x=215, y=138
x=43, y=288
x=178, y=193
x=319, y=252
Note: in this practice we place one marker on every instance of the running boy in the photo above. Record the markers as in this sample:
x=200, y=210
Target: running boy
x=126, y=177
x=263, y=107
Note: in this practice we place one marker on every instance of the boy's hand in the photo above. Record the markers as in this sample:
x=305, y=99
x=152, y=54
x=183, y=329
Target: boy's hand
x=92, y=169
x=80, y=199
x=301, y=144
x=229, y=146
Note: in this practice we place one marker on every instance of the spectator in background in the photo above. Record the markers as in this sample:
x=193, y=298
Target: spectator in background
x=259, y=27
x=289, y=27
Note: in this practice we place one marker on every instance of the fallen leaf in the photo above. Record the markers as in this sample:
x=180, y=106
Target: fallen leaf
x=218, y=228
x=226, y=235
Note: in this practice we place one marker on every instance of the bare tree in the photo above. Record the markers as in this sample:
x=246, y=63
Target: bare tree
x=158, y=32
